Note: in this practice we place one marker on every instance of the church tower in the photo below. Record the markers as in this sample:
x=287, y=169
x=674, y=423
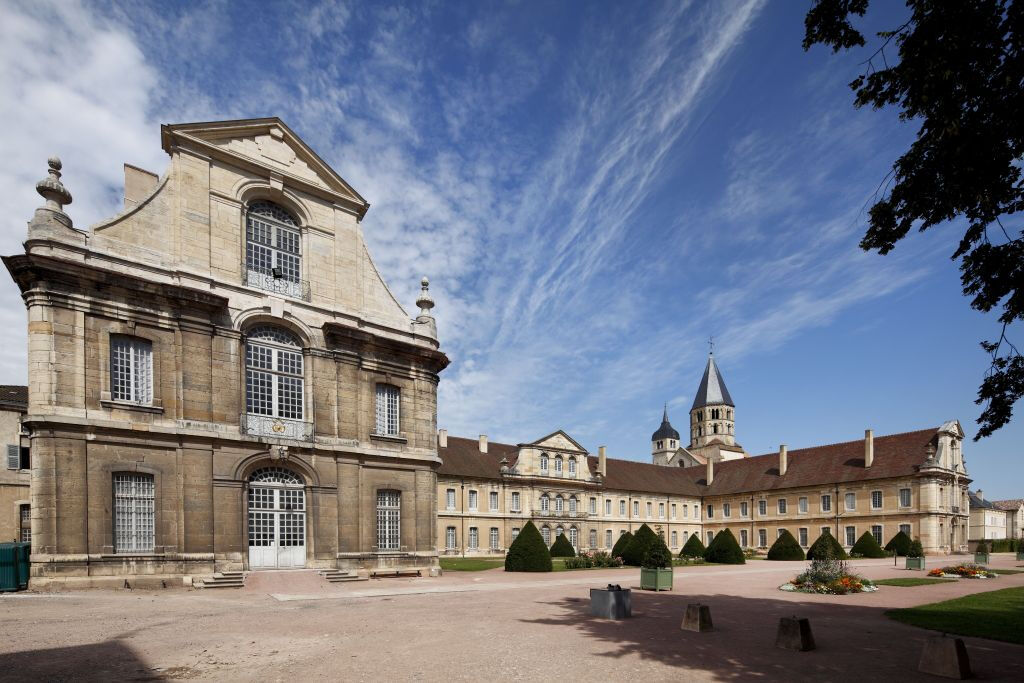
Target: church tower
x=664, y=442
x=712, y=416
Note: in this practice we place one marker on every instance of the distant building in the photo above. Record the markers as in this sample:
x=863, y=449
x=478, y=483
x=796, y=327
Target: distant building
x=988, y=521
x=1014, y=510
x=15, y=512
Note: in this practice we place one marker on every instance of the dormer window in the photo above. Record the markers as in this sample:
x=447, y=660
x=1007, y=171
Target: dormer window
x=273, y=255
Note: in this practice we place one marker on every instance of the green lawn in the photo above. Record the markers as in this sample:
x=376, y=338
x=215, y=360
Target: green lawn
x=910, y=582
x=1007, y=571
x=469, y=564
x=998, y=615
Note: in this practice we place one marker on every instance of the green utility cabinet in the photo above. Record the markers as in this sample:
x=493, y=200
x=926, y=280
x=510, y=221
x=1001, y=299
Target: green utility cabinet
x=14, y=566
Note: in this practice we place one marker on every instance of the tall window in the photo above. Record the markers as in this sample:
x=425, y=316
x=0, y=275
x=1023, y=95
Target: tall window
x=472, y=500
x=762, y=538
x=876, y=500
x=593, y=506
x=134, y=512
x=743, y=538
x=762, y=507
x=25, y=519
x=649, y=509
x=851, y=501
x=515, y=533
x=711, y=511
x=826, y=503
x=273, y=257
x=559, y=504
x=711, y=537
x=661, y=510
x=493, y=538
x=782, y=506
x=675, y=539
x=387, y=409
x=572, y=467
x=905, y=498
x=273, y=373
x=851, y=535
x=515, y=501
x=545, y=502
x=131, y=369
x=449, y=538
x=608, y=539
x=450, y=499
x=876, y=531
x=636, y=508
x=572, y=504
x=558, y=464
x=803, y=536
x=543, y=462
x=673, y=511
x=493, y=500
x=474, y=538
x=622, y=508
x=905, y=528
x=545, y=533
x=593, y=538
x=389, y=507
x=608, y=507
x=726, y=510
x=801, y=504
x=574, y=536
x=744, y=509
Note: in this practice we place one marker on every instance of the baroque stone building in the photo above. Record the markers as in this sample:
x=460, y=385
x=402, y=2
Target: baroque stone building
x=218, y=376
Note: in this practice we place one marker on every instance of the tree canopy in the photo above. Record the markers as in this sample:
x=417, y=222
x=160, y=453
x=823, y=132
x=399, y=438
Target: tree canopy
x=957, y=70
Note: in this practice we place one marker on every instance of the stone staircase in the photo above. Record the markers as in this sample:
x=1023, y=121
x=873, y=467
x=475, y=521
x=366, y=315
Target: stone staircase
x=341, y=576
x=224, y=580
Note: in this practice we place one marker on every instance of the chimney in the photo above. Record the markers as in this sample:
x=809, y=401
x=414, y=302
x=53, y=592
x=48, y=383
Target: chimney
x=483, y=443
x=711, y=470
x=980, y=494
x=869, y=447
x=783, y=460
x=602, y=462
x=442, y=438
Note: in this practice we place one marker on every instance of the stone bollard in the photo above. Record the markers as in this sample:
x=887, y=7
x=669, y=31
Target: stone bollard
x=697, y=618
x=795, y=634
x=945, y=657
x=611, y=603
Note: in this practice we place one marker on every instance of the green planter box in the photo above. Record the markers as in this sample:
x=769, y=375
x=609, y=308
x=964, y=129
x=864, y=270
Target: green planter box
x=981, y=558
x=656, y=579
x=915, y=563
x=1020, y=555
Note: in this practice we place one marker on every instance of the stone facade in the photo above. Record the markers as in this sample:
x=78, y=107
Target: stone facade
x=241, y=285
x=15, y=467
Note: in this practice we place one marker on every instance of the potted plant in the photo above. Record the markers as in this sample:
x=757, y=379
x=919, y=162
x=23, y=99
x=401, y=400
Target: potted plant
x=981, y=553
x=656, y=570
x=915, y=555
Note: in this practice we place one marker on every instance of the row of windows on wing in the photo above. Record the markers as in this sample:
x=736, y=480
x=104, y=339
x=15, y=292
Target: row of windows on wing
x=274, y=377
x=803, y=534
x=803, y=504
x=559, y=503
x=559, y=464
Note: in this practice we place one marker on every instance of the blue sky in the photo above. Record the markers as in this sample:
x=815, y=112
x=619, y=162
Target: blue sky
x=593, y=188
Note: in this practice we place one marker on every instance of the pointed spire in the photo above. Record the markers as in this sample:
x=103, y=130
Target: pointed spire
x=665, y=431
x=712, y=390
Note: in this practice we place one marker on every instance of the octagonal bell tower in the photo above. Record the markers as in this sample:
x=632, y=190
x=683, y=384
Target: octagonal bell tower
x=712, y=416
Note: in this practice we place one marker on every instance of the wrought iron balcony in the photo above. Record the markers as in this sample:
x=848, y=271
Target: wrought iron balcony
x=275, y=427
x=956, y=509
x=273, y=281
x=564, y=513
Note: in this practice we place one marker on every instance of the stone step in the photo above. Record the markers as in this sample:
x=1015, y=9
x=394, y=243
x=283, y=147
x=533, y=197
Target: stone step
x=339, y=576
x=234, y=579
x=224, y=584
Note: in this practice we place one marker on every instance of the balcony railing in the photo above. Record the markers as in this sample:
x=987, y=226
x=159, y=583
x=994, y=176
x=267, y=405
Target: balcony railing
x=276, y=427
x=563, y=513
x=273, y=281
x=956, y=509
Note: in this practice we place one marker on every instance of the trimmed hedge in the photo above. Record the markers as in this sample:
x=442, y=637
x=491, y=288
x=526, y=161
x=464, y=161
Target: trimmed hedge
x=642, y=541
x=1005, y=545
x=785, y=548
x=900, y=544
x=657, y=557
x=562, y=547
x=621, y=544
x=528, y=553
x=724, y=549
x=867, y=546
x=693, y=548
x=829, y=542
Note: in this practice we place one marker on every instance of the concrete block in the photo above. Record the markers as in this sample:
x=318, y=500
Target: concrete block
x=697, y=618
x=795, y=634
x=946, y=657
x=610, y=604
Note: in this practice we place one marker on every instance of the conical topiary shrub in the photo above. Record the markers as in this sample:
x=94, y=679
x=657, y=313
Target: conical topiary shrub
x=621, y=544
x=785, y=548
x=693, y=548
x=724, y=549
x=826, y=542
x=867, y=546
x=528, y=553
x=643, y=539
x=562, y=547
x=900, y=544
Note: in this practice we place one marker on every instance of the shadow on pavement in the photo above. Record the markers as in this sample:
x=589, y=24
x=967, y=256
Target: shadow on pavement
x=109, y=660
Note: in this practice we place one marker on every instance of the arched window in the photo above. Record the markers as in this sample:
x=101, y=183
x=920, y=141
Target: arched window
x=574, y=536
x=273, y=381
x=593, y=538
x=545, y=533
x=559, y=531
x=559, y=503
x=275, y=475
x=543, y=462
x=558, y=464
x=273, y=255
x=716, y=428
x=572, y=467
x=545, y=502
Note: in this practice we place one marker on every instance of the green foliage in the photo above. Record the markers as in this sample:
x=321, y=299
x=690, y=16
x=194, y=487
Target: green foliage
x=867, y=546
x=593, y=560
x=915, y=549
x=528, y=553
x=954, y=69
x=620, y=545
x=982, y=546
x=562, y=547
x=693, y=547
x=785, y=548
x=724, y=549
x=1005, y=545
x=657, y=557
x=826, y=543
x=900, y=544
x=642, y=541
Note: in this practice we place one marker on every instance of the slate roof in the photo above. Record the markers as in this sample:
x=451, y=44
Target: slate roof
x=665, y=431
x=14, y=394
x=712, y=390
x=977, y=501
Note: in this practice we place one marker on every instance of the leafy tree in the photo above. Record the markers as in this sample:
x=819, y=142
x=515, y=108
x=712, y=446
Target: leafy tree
x=621, y=544
x=693, y=548
x=829, y=542
x=724, y=549
x=528, y=553
x=957, y=69
x=867, y=546
x=562, y=547
x=785, y=548
x=642, y=541
x=899, y=544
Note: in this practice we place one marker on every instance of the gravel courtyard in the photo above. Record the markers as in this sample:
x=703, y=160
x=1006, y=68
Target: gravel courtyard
x=481, y=626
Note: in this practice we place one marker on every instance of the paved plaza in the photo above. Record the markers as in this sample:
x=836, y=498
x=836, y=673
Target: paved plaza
x=481, y=626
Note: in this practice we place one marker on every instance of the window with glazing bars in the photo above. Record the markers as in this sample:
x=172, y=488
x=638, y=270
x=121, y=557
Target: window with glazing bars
x=272, y=242
x=876, y=531
x=25, y=517
x=905, y=498
x=131, y=369
x=449, y=538
x=388, y=520
x=474, y=538
x=515, y=501
x=574, y=536
x=134, y=512
x=450, y=499
x=494, y=538
x=876, y=500
x=608, y=539
x=493, y=500
x=593, y=538
x=387, y=409
x=273, y=374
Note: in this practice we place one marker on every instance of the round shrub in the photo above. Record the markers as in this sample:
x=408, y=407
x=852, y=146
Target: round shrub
x=915, y=549
x=785, y=548
x=693, y=548
x=621, y=544
x=658, y=557
x=562, y=547
x=637, y=549
x=528, y=553
x=867, y=546
x=826, y=543
x=724, y=549
x=899, y=544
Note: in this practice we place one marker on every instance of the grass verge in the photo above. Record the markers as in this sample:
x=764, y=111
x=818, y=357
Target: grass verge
x=996, y=615
x=469, y=564
x=909, y=582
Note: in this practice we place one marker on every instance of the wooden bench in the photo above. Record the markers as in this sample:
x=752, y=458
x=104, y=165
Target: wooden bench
x=378, y=573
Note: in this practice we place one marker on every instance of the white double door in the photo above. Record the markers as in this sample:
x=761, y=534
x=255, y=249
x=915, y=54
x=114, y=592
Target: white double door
x=277, y=527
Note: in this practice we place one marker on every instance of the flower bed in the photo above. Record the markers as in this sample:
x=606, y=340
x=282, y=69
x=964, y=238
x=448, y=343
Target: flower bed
x=592, y=560
x=829, y=575
x=964, y=571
